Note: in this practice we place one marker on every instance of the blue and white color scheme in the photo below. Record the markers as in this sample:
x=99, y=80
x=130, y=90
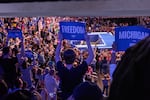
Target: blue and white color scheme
x=73, y=30
x=129, y=35
x=13, y=33
x=29, y=54
x=101, y=39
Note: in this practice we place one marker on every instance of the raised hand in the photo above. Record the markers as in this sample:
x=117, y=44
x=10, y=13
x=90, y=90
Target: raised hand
x=86, y=36
x=58, y=48
x=90, y=50
x=60, y=37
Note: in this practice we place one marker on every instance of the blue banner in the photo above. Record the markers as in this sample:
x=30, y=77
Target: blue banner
x=129, y=35
x=13, y=33
x=29, y=54
x=73, y=30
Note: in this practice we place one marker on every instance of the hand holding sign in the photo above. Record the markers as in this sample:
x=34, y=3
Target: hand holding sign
x=114, y=46
x=60, y=37
x=87, y=37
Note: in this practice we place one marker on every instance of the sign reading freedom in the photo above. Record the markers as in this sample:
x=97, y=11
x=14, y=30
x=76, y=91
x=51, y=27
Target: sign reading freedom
x=73, y=30
x=129, y=35
x=13, y=33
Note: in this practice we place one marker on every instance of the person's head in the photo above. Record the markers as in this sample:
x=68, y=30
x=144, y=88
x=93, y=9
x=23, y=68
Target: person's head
x=69, y=56
x=47, y=69
x=6, y=51
x=75, y=64
x=131, y=77
x=52, y=72
x=39, y=71
x=14, y=51
x=105, y=57
x=85, y=54
x=86, y=91
x=106, y=76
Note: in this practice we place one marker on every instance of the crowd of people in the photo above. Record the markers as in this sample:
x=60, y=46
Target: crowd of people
x=41, y=65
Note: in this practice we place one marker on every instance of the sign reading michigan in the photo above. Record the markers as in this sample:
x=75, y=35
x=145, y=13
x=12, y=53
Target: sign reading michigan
x=129, y=35
x=73, y=30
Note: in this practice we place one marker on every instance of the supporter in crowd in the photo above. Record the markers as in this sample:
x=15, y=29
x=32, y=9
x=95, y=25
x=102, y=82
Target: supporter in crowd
x=43, y=92
x=51, y=85
x=105, y=82
x=26, y=71
x=113, y=61
x=39, y=77
x=47, y=69
x=104, y=66
x=98, y=61
x=70, y=77
x=9, y=67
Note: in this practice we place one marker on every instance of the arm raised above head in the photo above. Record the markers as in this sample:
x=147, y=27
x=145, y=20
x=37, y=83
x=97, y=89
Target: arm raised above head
x=22, y=47
x=58, y=48
x=90, y=50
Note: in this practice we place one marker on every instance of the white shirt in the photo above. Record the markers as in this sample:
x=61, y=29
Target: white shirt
x=50, y=83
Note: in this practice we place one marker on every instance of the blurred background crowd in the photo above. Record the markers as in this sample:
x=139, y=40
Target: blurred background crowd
x=40, y=38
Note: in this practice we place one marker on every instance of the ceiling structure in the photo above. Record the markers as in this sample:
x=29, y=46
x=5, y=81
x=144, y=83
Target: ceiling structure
x=21, y=1
x=105, y=8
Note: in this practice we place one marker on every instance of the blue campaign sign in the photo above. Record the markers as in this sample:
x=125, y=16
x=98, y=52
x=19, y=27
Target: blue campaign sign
x=29, y=54
x=129, y=35
x=13, y=33
x=73, y=30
